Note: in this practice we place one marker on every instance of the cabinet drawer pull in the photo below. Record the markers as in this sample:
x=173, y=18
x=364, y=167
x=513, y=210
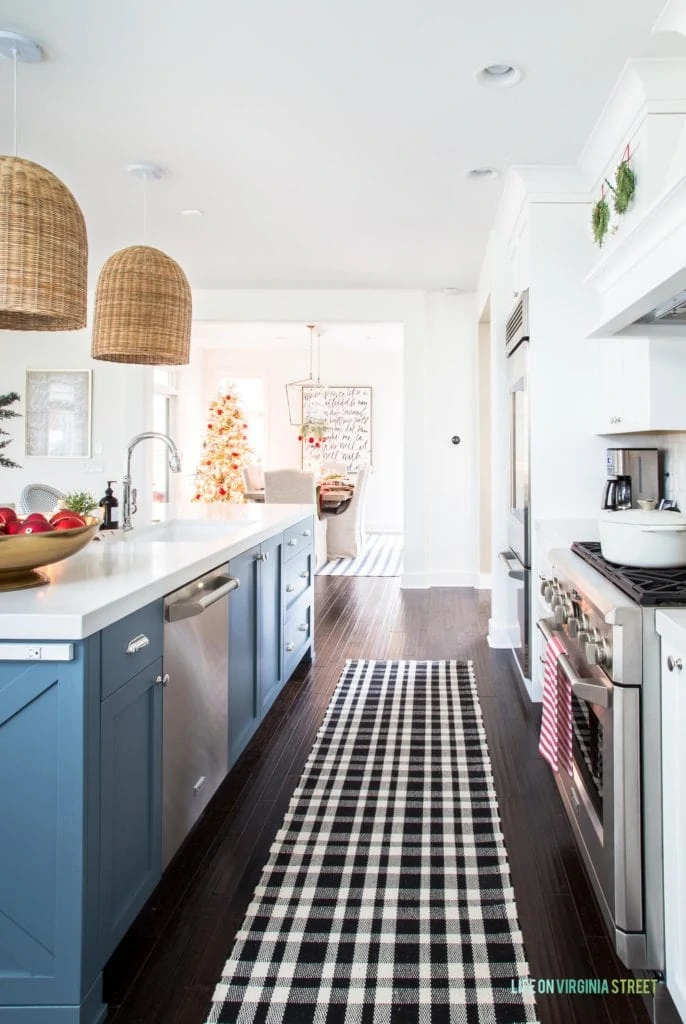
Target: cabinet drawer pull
x=305, y=575
x=303, y=627
x=137, y=644
x=306, y=533
x=290, y=587
x=162, y=680
x=293, y=542
x=674, y=663
x=290, y=646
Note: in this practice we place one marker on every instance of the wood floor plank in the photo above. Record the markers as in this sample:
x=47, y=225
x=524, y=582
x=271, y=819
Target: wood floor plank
x=165, y=970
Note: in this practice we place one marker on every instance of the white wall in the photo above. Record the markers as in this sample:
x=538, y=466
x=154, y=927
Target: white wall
x=121, y=407
x=439, y=386
x=378, y=365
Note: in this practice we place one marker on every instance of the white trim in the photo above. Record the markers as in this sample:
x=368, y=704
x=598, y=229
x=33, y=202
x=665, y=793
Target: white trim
x=485, y=581
x=502, y=635
x=413, y=581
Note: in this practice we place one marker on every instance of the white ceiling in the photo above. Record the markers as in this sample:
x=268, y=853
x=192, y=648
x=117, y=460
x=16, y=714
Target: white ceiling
x=326, y=140
x=297, y=336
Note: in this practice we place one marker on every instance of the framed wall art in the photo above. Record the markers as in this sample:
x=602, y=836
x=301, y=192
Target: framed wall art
x=58, y=414
x=347, y=412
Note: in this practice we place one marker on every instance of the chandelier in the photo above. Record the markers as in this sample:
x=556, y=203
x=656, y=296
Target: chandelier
x=313, y=408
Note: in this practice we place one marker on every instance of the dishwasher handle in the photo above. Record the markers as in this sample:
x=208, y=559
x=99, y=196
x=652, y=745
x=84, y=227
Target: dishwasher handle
x=184, y=609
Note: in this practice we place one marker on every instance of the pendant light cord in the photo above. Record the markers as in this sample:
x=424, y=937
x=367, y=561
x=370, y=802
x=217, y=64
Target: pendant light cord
x=14, y=61
x=145, y=210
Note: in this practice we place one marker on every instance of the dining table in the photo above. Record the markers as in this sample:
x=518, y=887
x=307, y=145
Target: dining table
x=332, y=498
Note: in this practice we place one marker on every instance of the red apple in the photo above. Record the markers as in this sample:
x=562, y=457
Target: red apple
x=14, y=527
x=35, y=517
x=66, y=514
x=73, y=523
x=35, y=526
x=8, y=514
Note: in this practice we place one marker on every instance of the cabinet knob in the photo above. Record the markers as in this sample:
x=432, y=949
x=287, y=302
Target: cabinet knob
x=306, y=533
x=162, y=680
x=674, y=663
x=304, y=575
x=290, y=587
x=303, y=627
x=290, y=646
x=137, y=644
x=292, y=542
x=262, y=557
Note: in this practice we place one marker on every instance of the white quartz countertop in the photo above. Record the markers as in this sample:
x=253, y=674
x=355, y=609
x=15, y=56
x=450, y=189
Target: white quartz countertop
x=672, y=626
x=114, y=576
x=561, y=533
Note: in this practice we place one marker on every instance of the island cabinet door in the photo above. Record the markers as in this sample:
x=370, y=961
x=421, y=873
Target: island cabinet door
x=48, y=834
x=270, y=622
x=244, y=698
x=131, y=801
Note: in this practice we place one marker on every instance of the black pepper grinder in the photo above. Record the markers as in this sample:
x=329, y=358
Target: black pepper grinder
x=110, y=504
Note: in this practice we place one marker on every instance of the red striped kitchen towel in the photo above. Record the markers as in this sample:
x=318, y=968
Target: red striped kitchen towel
x=555, y=743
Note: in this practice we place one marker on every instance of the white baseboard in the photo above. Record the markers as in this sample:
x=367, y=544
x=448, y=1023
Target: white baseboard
x=502, y=635
x=485, y=581
x=413, y=581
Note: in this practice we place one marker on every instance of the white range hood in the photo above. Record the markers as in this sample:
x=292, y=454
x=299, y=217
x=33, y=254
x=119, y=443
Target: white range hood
x=640, y=273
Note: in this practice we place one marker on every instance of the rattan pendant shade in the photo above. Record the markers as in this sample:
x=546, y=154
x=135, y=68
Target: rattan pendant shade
x=142, y=309
x=43, y=251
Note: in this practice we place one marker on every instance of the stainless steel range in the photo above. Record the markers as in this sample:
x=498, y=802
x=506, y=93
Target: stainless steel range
x=605, y=616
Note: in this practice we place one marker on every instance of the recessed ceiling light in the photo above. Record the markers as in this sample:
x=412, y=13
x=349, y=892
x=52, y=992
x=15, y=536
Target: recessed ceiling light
x=483, y=173
x=499, y=74
x=192, y=213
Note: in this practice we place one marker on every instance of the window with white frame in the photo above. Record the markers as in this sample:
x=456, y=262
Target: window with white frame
x=250, y=394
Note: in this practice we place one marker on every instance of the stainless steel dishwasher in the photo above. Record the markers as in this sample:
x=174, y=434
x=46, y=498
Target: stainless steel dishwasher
x=196, y=701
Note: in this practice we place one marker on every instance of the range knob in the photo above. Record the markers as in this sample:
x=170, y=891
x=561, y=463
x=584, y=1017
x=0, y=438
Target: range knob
x=545, y=588
x=597, y=652
x=577, y=627
x=564, y=610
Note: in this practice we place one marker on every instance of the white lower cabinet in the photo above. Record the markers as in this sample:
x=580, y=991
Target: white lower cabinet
x=674, y=819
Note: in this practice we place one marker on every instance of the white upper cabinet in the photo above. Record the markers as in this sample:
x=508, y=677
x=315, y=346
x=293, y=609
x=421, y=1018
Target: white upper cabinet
x=642, y=385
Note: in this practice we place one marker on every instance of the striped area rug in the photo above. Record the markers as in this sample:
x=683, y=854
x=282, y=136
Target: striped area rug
x=382, y=556
x=387, y=896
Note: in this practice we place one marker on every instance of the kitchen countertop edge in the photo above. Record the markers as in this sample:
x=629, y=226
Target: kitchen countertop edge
x=28, y=622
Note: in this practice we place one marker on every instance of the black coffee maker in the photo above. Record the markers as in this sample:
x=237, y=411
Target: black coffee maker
x=632, y=473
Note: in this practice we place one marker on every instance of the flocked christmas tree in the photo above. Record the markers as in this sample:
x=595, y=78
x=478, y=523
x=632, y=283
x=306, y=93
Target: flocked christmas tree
x=7, y=414
x=225, y=452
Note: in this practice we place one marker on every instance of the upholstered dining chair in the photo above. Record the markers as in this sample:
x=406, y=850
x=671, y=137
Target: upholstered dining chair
x=346, y=534
x=298, y=487
x=253, y=477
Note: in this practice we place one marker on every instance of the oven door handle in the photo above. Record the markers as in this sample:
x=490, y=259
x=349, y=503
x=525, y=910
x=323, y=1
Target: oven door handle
x=584, y=689
x=512, y=565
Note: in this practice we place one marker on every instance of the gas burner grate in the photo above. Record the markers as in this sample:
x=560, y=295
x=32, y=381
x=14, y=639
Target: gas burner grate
x=646, y=586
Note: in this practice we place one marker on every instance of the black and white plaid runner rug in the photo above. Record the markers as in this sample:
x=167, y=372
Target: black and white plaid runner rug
x=387, y=896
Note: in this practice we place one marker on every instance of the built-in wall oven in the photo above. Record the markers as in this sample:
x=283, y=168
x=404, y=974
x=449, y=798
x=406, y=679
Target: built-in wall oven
x=518, y=558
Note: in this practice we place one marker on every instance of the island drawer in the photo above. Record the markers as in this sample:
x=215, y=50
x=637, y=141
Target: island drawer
x=297, y=633
x=130, y=645
x=297, y=577
x=297, y=538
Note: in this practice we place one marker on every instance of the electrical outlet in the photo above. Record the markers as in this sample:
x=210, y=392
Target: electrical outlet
x=33, y=653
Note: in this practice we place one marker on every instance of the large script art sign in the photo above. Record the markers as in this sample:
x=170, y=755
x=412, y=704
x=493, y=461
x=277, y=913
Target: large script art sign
x=348, y=411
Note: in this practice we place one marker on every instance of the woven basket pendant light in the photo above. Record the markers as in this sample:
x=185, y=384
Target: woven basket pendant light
x=43, y=244
x=143, y=305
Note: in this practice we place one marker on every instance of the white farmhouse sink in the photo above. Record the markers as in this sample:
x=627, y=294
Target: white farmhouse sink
x=184, y=530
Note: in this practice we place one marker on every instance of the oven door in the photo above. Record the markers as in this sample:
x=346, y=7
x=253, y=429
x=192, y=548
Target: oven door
x=602, y=797
x=518, y=415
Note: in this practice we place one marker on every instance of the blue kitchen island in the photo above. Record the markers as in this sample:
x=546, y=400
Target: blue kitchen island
x=82, y=690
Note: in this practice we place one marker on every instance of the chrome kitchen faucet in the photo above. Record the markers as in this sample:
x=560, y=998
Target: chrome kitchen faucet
x=129, y=495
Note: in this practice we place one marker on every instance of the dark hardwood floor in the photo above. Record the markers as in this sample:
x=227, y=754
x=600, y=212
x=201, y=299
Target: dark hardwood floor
x=167, y=966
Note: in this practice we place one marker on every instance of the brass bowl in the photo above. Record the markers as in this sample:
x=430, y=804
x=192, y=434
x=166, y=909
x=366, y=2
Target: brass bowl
x=22, y=553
